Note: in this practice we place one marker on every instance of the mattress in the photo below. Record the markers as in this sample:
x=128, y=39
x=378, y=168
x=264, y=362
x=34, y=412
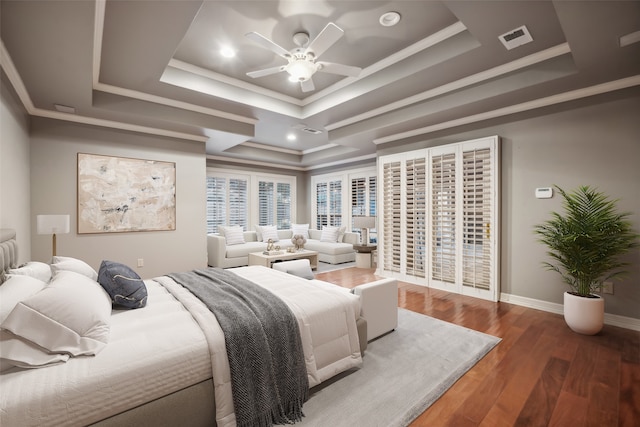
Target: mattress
x=151, y=352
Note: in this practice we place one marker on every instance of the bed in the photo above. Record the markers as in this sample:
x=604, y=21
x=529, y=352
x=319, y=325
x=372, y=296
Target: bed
x=166, y=364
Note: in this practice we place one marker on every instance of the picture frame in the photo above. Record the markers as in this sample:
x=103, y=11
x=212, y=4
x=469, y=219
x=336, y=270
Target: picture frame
x=122, y=194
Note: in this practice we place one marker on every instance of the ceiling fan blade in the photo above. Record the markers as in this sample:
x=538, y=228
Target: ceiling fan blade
x=268, y=44
x=343, y=70
x=265, y=72
x=307, y=85
x=327, y=37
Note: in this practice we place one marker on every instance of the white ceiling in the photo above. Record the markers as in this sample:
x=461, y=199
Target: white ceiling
x=155, y=67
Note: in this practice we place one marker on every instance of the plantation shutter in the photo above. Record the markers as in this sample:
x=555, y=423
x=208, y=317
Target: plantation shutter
x=478, y=216
x=284, y=206
x=227, y=201
x=440, y=217
x=274, y=204
x=216, y=203
x=238, y=202
x=266, y=213
x=358, y=197
x=415, y=215
x=322, y=206
x=372, y=196
x=443, y=217
x=392, y=221
x=335, y=203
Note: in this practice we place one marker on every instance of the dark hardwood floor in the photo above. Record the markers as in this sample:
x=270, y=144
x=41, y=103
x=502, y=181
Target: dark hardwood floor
x=541, y=373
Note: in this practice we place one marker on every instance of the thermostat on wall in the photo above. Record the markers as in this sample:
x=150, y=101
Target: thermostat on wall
x=544, y=192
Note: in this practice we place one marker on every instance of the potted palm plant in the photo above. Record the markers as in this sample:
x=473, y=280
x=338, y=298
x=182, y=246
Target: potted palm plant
x=585, y=244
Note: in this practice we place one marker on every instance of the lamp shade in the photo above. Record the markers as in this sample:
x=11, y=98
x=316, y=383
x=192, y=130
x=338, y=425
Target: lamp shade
x=52, y=224
x=364, y=221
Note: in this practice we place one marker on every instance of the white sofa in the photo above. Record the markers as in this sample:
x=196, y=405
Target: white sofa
x=226, y=256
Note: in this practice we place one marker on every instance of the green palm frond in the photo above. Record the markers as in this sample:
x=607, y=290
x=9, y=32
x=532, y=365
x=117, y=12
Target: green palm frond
x=586, y=241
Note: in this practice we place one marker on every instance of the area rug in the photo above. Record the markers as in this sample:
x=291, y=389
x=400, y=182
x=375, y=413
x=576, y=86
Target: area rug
x=403, y=373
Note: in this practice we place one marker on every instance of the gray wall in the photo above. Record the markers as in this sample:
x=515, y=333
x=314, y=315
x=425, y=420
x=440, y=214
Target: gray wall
x=15, y=202
x=54, y=148
x=598, y=145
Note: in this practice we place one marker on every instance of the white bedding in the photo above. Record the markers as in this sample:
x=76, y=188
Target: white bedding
x=151, y=352
x=172, y=343
x=326, y=316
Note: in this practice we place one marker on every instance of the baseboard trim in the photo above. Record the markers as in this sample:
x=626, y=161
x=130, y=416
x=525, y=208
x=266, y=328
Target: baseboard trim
x=609, y=319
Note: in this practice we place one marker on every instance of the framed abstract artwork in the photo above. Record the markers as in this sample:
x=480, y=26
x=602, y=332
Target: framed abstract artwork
x=120, y=194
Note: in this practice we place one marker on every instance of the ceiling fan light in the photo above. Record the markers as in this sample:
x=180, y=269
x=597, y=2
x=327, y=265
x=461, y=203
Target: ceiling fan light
x=300, y=70
x=227, y=52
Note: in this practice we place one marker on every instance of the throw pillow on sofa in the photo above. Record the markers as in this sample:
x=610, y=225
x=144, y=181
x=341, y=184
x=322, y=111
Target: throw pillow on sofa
x=233, y=235
x=269, y=232
x=329, y=234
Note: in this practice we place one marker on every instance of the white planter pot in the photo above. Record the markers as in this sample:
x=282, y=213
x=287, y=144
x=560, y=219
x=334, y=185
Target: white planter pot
x=584, y=315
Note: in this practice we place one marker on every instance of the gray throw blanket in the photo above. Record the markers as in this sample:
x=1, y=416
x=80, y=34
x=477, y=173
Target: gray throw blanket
x=268, y=373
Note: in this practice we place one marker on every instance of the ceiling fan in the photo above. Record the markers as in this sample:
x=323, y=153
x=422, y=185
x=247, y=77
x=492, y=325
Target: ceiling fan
x=301, y=60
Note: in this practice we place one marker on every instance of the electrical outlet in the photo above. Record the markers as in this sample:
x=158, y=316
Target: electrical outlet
x=140, y=262
x=607, y=288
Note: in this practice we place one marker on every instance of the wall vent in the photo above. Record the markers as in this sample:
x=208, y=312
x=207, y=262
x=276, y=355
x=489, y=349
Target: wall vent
x=515, y=38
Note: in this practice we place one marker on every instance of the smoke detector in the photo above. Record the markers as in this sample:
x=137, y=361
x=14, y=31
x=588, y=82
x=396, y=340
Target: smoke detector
x=515, y=38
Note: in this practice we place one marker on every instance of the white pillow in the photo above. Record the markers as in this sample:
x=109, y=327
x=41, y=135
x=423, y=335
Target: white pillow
x=302, y=229
x=16, y=289
x=233, y=235
x=15, y=351
x=71, y=315
x=269, y=232
x=329, y=234
x=63, y=263
x=341, y=233
x=38, y=270
x=258, y=233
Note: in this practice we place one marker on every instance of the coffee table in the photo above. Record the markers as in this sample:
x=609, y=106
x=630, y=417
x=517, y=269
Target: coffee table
x=259, y=258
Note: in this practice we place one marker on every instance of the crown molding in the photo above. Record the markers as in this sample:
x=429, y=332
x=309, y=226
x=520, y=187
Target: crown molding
x=518, y=108
x=492, y=73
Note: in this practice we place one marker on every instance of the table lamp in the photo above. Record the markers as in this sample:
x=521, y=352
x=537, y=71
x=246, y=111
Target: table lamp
x=364, y=223
x=53, y=224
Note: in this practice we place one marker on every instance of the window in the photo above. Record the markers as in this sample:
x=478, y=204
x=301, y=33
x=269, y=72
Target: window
x=328, y=203
x=226, y=202
x=274, y=204
x=246, y=199
x=363, y=199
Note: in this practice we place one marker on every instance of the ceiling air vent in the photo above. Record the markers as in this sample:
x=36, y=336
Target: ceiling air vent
x=311, y=131
x=515, y=38
x=303, y=127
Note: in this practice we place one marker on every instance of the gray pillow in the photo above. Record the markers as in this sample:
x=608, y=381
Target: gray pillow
x=124, y=286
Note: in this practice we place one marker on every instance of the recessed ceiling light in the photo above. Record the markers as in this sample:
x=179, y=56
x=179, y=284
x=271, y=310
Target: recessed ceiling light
x=227, y=52
x=291, y=137
x=389, y=19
